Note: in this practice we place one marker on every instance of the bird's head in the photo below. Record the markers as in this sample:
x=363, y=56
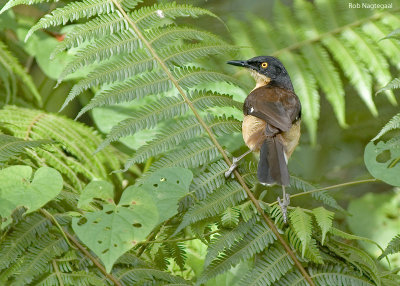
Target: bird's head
x=265, y=70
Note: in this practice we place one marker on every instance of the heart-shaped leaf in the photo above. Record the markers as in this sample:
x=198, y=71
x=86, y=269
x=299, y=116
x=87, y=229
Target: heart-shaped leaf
x=167, y=186
x=115, y=229
x=17, y=189
x=383, y=160
x=96, y=189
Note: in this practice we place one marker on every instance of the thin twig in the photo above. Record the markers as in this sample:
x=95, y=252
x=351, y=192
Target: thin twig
x=93, y=259
x=58, y=274
x=53, y=219
x=215, y=142
x=331, y=187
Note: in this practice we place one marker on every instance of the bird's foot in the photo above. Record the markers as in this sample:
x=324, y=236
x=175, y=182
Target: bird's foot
x=284, y=203
x=232, y=167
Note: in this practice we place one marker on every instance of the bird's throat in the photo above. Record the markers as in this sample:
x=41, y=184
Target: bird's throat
x=260, y=79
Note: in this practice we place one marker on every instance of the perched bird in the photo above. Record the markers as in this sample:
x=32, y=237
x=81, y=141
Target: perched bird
x=271, y=123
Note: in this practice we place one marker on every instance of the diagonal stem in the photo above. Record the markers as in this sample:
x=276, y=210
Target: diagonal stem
x=215, y=142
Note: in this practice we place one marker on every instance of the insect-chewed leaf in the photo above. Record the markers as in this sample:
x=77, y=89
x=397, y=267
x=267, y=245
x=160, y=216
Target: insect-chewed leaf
x=17, y=189
x=382, y=160
x=96, y=189
x=115, y=229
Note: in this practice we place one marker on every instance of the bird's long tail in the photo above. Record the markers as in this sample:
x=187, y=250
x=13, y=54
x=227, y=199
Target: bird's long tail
x=272, y=167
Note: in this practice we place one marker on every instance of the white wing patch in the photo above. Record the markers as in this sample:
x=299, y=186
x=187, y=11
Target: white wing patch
x=251, y=110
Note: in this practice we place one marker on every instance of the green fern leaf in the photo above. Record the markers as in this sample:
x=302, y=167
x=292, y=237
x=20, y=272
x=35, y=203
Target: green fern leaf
x=12, y=3
x=230, y=217
x=270, y=267
x=122, y=43
x=394, y=84
x=393, y=247
x=118, y=70
x=301, y=223
x=226, y=239
x=181, y=55
x=130, y=276
x=209, y=180
x=255, y=241
x=11, y=146
x=227, y=195
x=81, y=278
x=324, y=219
x=72, y=12
x=197, y=152
x=147, y=17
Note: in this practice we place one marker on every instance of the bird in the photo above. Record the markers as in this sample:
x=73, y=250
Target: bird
x=271, y=123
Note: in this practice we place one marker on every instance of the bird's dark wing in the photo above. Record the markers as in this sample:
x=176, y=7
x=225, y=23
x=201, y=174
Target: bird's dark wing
x=274, y=105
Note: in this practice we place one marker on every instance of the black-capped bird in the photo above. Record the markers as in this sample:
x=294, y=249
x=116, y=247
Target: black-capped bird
x=271, y=123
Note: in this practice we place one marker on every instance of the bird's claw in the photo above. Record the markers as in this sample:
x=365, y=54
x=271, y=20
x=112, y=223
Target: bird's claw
x=284, y=203
x=231, y=169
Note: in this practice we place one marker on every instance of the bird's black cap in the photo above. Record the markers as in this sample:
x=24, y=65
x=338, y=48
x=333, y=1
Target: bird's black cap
x=269, y=67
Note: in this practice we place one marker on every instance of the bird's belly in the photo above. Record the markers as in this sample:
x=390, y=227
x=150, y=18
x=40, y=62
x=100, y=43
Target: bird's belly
x=253, y=130
x=291, y=138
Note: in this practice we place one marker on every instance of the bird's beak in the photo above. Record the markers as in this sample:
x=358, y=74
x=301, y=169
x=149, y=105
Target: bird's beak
x=239, y=63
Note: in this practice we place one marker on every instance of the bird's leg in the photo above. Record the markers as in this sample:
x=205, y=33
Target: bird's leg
x=284, y=203
x=235, y=160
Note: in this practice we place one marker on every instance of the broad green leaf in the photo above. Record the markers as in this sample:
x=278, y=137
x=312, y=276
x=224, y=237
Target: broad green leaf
x=167, y=186
x=96, y=189
x=17, y=189
x=382, y=160
x=324, y=219
x=115, y=229
x=301, y=223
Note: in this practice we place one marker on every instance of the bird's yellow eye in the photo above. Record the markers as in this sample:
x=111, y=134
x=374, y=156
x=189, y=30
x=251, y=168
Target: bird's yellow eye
x=264, y=65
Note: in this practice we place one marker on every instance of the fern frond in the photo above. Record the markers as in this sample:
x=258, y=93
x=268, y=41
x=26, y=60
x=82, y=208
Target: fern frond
x=195, y=153
x=255, y=241
x=161, y=37
x=393, y=84
x=268, y=268
x=302, y=225
x=181, y=55
x=130, y=276
x=147, y=117
x=118, y=70
x=324, y=220
x=227, y=195
x=12, y=3
x=11, y=146
x=147, y=17
x=72, y=12
x=226, y=239
x=230, y=217
x=209, y=180
x=81, y=278
x=20, y=239
x=36, y=261
x=393, y=247
x=12, y=65
x=149, y=83
x=122, y=43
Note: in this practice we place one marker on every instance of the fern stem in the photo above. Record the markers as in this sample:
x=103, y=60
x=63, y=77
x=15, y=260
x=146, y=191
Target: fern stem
x=55, y=266
x=332, y=32
x=331, y=187
x=53, y=219
x=215, y=142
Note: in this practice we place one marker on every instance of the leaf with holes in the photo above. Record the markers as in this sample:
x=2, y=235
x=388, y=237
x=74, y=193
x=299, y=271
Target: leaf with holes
x=17, y=189
x=115, y=229
x=96, y=189
x=382, y=160
x=167, y=186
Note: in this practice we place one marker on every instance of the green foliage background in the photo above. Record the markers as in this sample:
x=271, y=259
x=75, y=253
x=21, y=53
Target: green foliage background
x=144, y=200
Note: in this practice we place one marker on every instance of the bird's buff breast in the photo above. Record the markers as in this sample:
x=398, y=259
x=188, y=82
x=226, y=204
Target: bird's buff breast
x=253, y=132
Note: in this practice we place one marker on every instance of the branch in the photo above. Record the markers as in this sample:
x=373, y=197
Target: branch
x=215, y=142
x=331, y=187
